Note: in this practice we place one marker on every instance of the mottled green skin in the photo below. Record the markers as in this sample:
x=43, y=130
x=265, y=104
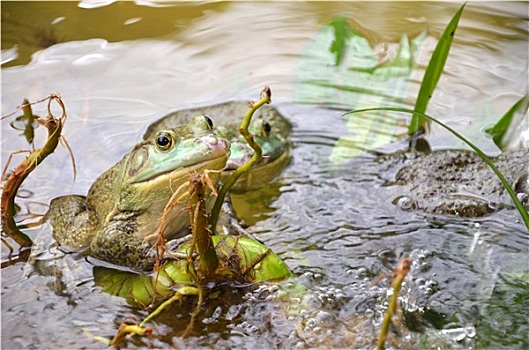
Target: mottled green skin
x=125, y=204
x=460, y=183
x=270, y=129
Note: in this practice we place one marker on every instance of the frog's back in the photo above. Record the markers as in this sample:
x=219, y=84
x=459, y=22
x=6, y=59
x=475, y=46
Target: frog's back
x=228, y=114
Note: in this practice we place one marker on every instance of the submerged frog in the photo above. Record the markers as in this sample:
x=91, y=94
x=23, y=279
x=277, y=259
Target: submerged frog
x=270, y=130
x=456, y=182
x=125, y=204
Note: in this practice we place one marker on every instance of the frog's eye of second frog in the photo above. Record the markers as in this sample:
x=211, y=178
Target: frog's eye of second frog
x=210, y=122
x=267, y=128
x=164, y=141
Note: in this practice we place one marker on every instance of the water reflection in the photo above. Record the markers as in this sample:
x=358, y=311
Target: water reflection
x=328, y=219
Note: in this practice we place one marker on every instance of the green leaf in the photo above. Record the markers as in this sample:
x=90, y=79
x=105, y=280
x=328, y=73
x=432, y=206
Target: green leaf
x=255, y=260
x=433, y=73
x=342, y=32
x=27, y=119
x=245, y=260
x=339, y=68
x=501, y=132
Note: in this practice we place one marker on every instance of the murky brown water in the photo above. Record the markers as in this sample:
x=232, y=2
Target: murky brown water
x=120, y=67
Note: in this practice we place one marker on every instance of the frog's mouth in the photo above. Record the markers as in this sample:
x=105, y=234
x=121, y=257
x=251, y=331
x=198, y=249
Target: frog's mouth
x=183, y=172
x=214, y=164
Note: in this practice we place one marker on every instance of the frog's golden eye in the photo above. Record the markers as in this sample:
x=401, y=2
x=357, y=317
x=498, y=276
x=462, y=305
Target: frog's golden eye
x=267, y=128
x=164, y=141
x=209, y=121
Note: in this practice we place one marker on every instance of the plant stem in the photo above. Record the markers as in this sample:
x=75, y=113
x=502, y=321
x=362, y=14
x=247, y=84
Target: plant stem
x=401, y=272
x=266, y=98
x=187, y=290
x=21, y=172
x=207, y=259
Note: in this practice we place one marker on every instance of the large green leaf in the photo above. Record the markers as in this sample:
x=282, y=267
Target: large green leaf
x=242, y=260
x=339, y=68
x=394, y=78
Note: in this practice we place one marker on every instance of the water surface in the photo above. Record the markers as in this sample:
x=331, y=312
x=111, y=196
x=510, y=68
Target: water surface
x=121, y=66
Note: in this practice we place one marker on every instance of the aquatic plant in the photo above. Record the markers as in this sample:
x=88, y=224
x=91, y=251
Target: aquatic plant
x=400, y=273
x=480, y=153
x=340, y=69
x=433, y=72
x=419, y=125
x=35, y=158
x=419, y=117
x=502, y=132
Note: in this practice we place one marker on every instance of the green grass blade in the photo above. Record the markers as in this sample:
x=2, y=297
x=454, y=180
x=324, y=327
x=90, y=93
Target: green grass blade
x=517, y=203
x=500, y=129
x=433, y=73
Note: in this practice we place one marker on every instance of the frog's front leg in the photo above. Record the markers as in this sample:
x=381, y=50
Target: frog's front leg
x=118, y=244
x=74, y=223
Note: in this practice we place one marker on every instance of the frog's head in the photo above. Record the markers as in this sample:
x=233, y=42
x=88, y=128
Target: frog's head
x=158, y=166
x=270, y=129
x=171, y=155
x=276, y=154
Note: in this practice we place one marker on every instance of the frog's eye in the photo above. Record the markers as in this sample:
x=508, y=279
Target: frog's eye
x=210, y=122
x=164, y=141
x=267, y=128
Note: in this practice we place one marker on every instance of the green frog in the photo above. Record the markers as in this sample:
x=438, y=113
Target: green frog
x=125, y=204
x=456, y=182
x=271, y=131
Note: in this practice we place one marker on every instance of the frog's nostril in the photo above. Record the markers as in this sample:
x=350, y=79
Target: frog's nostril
x=213, y=141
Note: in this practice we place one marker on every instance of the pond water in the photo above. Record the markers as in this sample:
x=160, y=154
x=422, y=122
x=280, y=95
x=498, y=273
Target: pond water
x=121, y=66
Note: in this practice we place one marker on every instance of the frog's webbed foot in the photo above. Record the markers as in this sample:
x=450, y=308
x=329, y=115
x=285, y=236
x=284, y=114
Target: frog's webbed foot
x=117, y=244
x=172, y=247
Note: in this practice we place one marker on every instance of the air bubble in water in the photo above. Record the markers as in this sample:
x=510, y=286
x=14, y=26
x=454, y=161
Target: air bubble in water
x=405, y=203
x=457, y=334
x=470, y=331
